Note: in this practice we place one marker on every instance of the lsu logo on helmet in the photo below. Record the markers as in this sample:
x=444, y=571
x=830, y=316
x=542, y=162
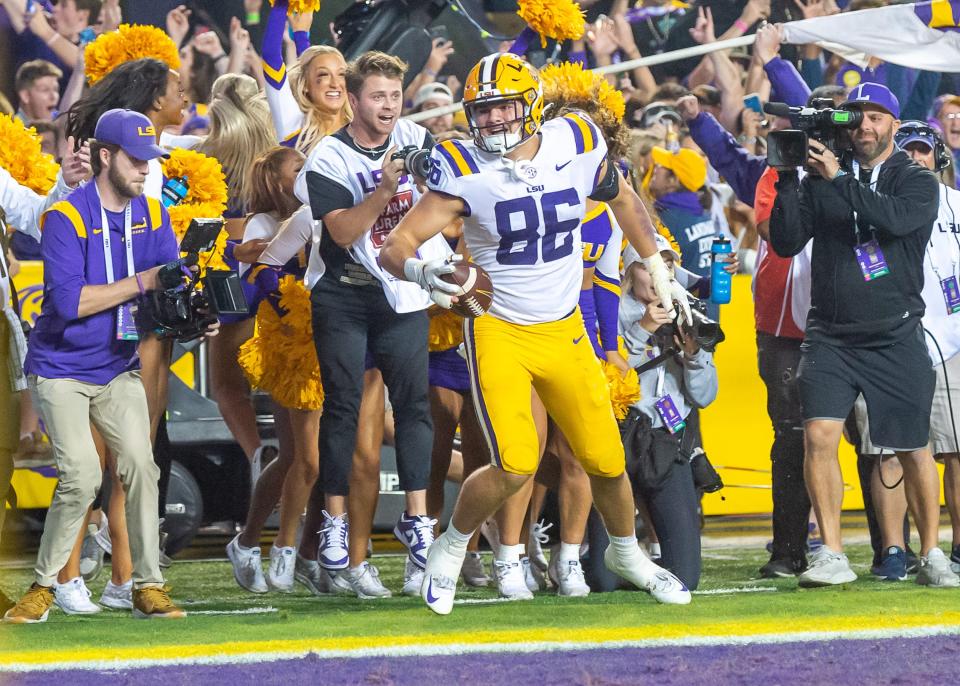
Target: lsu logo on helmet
x=504, y=77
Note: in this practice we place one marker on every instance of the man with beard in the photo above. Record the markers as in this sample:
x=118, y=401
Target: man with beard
x=871, y=217
x=102, y=248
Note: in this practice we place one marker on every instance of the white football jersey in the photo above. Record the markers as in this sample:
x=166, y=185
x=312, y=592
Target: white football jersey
x=522, y=221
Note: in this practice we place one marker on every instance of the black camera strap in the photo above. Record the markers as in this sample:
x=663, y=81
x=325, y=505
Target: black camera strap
x=659, y=359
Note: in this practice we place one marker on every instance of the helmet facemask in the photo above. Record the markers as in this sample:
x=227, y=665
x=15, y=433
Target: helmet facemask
x=514, y=131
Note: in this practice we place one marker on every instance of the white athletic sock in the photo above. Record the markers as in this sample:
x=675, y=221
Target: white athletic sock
x=626, y=546
x=510, y=553
x=456, y=540
x=569, y=552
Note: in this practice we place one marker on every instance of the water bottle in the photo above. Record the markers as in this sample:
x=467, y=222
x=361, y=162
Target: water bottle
x=174, y=191
x=720, y=280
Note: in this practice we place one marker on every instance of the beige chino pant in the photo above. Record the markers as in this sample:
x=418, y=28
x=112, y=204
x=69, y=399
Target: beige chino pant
x=119, y=412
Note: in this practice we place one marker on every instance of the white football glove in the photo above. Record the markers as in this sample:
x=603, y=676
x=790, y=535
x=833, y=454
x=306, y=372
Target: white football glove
x=427, y=274
x=667, y=289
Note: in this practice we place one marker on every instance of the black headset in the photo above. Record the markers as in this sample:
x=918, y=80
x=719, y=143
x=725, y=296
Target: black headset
x=909, y=129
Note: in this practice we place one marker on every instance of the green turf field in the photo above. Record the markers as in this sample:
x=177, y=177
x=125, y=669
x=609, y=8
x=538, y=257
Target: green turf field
x=206, y=589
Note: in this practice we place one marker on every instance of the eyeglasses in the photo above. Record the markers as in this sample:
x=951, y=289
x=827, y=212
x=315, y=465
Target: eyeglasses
x=951, y=115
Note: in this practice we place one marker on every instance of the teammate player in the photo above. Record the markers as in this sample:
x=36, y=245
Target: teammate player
x=521, y=187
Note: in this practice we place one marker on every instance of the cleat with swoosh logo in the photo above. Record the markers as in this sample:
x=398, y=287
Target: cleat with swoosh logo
x=439, y=586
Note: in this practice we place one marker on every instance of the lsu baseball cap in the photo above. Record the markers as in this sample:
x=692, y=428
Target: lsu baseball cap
x=916, y=132
x=689, y=168
x=132, y=131
x=868, y=93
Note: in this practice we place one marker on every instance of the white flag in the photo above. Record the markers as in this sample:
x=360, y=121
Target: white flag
x=922, y=35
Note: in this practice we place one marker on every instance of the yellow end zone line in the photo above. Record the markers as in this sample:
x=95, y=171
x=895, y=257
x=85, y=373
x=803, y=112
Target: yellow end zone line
x=370, y=644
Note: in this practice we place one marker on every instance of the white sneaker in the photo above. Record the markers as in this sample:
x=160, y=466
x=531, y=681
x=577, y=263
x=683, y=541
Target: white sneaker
x=532, y=576
x=538, y=537
x=310, y=574
x=333, y=553
x=440, y=577
x=118, y=597
x=337, y=583
x=283, y=564
x=412, y=579
x=73, y=598
x=827, y=568
x=569, y=579
x=935, y=571
x=639, y=570
x=103, y=535
x=365, y=582
x=91, y=555
x=247, y=569
x=473, y=572
x=510, y=581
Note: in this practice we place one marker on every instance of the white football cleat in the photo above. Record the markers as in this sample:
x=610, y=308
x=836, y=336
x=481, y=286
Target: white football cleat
x=510, y=580
x=569, y=579
x=640, y=571
x=439, y=586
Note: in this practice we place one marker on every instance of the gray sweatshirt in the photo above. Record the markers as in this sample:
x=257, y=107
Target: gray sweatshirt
x=690, y=381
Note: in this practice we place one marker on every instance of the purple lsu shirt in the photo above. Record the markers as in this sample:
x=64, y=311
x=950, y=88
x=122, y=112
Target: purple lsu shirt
x=63, y=345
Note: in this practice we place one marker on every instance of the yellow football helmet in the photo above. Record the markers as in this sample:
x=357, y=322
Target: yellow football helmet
x=498, y=77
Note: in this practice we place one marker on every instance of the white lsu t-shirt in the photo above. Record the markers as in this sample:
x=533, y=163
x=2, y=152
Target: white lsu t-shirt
x=522, y=222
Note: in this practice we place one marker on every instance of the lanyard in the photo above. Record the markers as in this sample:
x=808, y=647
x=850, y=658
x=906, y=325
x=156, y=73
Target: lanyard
x=127, y=238
x=661, y=374
x=874, y=176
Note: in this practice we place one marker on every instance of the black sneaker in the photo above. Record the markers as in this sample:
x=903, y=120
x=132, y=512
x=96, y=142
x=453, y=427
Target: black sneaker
x=781, y=568
x=955, y=559
x=913, y=562
x=893, y=566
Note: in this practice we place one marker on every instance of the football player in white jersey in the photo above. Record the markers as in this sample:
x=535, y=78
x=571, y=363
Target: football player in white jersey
x=521, y=188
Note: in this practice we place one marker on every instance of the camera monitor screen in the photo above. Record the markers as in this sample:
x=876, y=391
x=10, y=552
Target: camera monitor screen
x=201, y=235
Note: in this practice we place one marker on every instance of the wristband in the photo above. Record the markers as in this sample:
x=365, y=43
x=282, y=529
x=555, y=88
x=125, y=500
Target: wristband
x=253, y=18
x=840, y=172
x=741, y=25
x=52, y=39
x=140, y=284
x=430, y=72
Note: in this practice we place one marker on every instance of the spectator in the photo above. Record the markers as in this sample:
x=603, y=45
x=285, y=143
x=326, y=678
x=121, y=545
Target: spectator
x=55, y=39
x=81, y=359
x=38, y=91
x=432, y=96
x=947, y=113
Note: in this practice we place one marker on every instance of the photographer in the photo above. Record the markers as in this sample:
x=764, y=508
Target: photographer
x=657, y=444
x=101, y=249
x=871, y=220
x=355, y=183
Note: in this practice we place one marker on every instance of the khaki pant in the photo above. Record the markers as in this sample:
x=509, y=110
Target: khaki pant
x=119, y=412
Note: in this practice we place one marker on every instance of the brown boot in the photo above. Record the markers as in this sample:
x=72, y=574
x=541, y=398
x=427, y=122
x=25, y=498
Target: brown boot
x=32, y=608
x=154, y=602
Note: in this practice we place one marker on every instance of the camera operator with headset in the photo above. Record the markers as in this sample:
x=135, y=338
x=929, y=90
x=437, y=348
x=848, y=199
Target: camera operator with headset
x=658, y=446
x=871, y=220
x=102, y=247
x=358, y=183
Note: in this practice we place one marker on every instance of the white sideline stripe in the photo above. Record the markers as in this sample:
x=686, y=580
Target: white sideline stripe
x=429, y=650
x=248, y=611
x=742, y=589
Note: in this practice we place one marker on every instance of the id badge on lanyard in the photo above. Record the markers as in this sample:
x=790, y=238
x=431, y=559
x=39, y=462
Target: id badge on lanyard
x=869, y=255
x=126, y=313
x=666, y=407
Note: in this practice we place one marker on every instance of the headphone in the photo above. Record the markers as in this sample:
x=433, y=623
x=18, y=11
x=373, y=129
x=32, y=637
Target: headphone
x=909, y=129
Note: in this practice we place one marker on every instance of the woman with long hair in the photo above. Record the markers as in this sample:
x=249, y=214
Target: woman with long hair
x=311, y=101
x=240, y=132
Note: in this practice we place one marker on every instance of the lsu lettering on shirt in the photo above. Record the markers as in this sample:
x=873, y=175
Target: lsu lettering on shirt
x=522, y=221
x=339, y=174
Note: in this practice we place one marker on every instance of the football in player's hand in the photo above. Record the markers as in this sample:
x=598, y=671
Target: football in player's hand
x=476, y=289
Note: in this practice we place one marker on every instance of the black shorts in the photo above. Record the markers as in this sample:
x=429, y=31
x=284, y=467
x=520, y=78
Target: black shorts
x=897, y=382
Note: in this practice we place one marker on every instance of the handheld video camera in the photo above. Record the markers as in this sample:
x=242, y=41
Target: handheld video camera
x=416, y=160
x=178, y=308
x=788, y=149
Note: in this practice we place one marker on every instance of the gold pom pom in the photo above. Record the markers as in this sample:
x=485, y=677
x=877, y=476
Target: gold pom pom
x=206, y=184
x=22, y=157
x=557, y=19
x=302, y=6
x=624, y=390
x=281, y=358
x=446, y=330
x=568, y=83
x=130, y=42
